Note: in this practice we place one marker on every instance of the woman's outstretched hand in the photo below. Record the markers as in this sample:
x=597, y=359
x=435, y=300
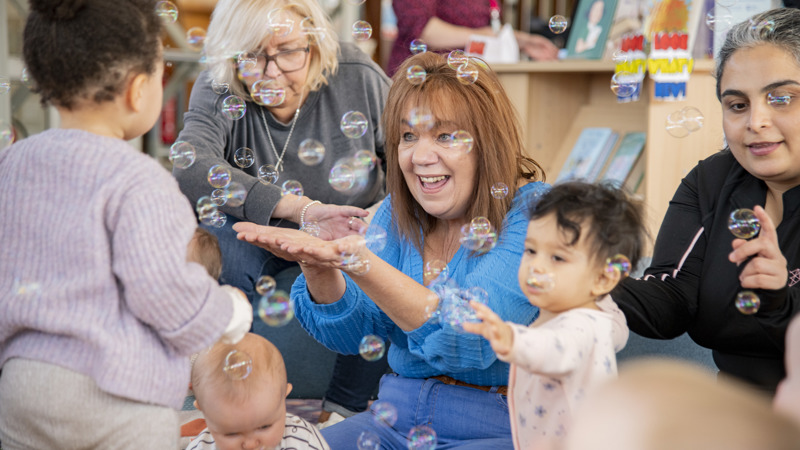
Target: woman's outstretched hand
x=296, y=245
x=767, y=269
x=336, y=221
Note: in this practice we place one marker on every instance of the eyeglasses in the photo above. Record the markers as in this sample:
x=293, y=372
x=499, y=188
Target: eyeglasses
x=287, y=61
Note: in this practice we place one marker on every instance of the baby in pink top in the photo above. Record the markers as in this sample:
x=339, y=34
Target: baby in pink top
x=582, y=239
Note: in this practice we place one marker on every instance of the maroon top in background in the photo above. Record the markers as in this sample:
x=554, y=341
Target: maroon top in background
x=413, y=15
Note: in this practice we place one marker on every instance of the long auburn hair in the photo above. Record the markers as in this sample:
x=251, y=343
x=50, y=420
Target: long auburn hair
x=483, y=109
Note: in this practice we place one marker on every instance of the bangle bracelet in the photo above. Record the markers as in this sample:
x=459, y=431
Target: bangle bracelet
x=305, y=208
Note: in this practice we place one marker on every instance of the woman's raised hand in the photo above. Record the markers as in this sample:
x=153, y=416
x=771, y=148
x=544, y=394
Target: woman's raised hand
x=767, y=269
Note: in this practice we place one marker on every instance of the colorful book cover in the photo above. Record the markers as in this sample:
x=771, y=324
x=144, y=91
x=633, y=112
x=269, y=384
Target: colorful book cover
x=588, y=155
x=590, y=28
x=630, y=148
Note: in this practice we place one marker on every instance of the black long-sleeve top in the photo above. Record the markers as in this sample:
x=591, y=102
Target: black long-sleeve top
x=691, y=285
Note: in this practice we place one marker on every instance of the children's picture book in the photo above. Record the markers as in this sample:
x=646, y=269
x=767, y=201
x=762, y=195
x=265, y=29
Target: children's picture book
x=590, y=28
x=588, y=155
x=627, y=20
x=628, y=152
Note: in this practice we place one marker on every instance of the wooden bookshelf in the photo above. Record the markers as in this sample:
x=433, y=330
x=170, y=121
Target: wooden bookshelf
x=556, y=100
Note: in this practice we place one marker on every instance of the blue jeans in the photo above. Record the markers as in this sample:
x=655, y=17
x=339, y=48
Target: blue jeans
x=463, y=417
x=354, y=380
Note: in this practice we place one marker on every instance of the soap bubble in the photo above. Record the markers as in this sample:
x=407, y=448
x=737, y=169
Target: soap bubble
x=619, y=263
x=268, y=93
x=310, y=227
x=435, y=269
x=623, y=84
x=357, y=265
x=235, y=193
x=418, y=46
x=375, y=238
x=219, y=197
x=233, y=107
x=26, y=79
x=692, y=118
x=675, y=125
x=499, y=190
x=238, y=365
x=216, y=219
x=365, y=159
x=195, y=37
x=276, y=310
x=764, y=28
x=421, y=437
x=462, y=141
x=219, y=176
x=167, y=11
x=747, y=302
x=416, y=75
x=778, y=100
x=292, y=187
x=479, y=235
x=341, y=177
x=6, y=135
x=540, y=282
x=308, y=28
x=265, y=285
x=219, y=88
x=719, y=19
x=619, y=56
x=267, y=174
x=280, y=22
x=456, y=59
x=181, y=154
x=354, y=124
x=371, y=347
x=384, y=413
x=467, y=73
x=26, y=290
x=368, y=440
x=205, y=205
x=311, y=152
x=244, y=157
x=421, y=119
x=362, y=30
x=744, y=224
x=5, y=85
x=558, y=24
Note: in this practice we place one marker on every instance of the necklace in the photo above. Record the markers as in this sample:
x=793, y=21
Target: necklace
x=279, y=164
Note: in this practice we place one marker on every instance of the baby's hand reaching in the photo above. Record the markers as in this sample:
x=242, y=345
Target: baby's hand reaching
x=492, y=327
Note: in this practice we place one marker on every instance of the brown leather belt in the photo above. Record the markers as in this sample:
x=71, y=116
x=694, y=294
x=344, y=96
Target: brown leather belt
x=502, y=390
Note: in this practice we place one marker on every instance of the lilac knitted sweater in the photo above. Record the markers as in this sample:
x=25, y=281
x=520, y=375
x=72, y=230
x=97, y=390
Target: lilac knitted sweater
x=93, y=271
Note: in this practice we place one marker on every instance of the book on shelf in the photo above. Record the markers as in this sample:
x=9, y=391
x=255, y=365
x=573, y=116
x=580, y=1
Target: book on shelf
x=590, y=27
x=627, y=154
x=588, y=155
x=627, y=20
x=633, y=183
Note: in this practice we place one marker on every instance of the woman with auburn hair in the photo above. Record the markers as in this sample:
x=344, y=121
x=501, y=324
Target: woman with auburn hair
x=291, y=45
x=444, y=379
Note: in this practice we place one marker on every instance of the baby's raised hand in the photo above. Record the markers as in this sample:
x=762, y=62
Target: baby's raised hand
x=491, y=327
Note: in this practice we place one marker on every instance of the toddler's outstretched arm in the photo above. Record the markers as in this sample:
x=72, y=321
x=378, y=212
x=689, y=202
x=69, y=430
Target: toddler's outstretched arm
x=492, y=327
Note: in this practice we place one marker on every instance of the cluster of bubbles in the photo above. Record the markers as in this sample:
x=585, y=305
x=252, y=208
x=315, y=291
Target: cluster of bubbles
x=238, y=365
x=352, y=259
x=687, y=120
x=466, y=69
x=479, y=235
x=368, y=440
x=208, y=212
x=744, y=224
x=372, y=347
x=448, y=303
x=558, y=24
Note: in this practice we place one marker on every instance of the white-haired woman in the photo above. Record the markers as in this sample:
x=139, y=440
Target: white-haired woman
x=291, y=43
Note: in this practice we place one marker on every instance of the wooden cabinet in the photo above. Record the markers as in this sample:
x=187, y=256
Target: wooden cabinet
x=556, y=100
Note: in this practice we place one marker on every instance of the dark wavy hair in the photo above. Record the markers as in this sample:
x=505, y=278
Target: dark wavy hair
x=88, y=49
x=614, y=221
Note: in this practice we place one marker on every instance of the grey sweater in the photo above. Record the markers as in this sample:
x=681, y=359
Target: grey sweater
x=359, y=85
x=93, y=271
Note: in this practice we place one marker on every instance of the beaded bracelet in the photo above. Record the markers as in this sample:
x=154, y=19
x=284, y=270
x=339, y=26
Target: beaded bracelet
x=305, y=208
